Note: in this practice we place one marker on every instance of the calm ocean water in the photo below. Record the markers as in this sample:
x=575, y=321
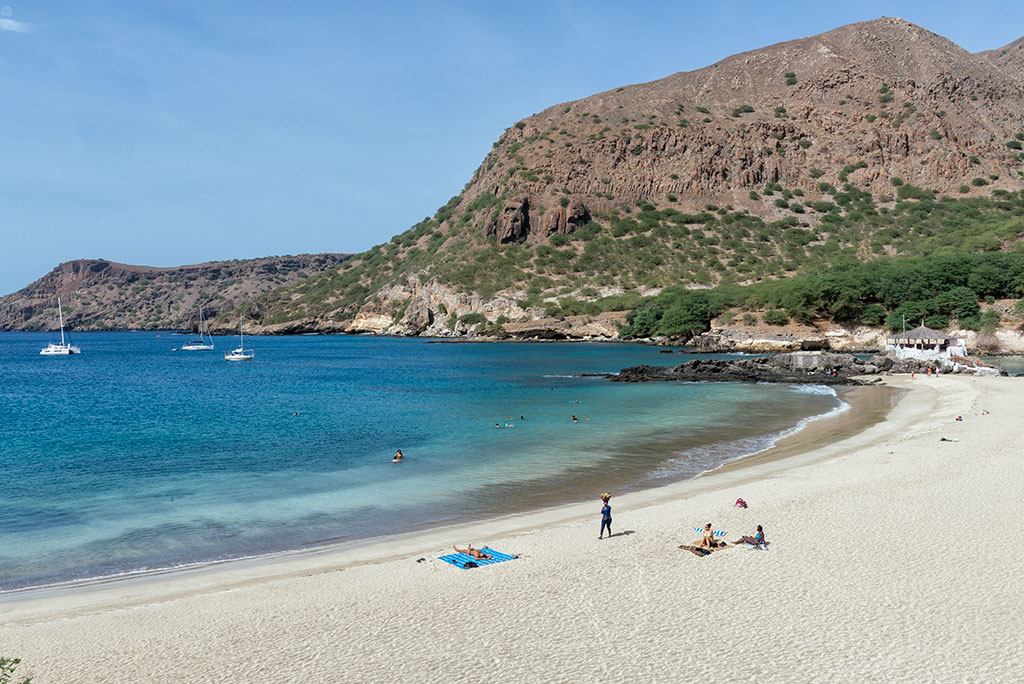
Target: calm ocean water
x=132, y=456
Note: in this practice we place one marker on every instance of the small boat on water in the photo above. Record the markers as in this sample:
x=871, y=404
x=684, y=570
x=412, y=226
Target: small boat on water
x=62, y=349
x=201, y=344
x=240, y=354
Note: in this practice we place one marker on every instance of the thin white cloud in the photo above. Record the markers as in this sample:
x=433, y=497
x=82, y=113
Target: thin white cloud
x=15, y=26
x=8, y=24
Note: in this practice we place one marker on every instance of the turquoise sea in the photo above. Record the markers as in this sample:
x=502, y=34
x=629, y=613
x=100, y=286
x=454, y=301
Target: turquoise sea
x=132, y=456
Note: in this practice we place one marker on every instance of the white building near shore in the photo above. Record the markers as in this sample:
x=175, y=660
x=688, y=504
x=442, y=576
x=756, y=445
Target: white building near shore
x=925, y=344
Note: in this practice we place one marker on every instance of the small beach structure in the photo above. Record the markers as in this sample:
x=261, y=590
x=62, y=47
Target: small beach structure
x=925, y=344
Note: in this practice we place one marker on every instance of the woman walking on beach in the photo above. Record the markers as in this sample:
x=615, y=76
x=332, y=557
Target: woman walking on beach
x=606, y=515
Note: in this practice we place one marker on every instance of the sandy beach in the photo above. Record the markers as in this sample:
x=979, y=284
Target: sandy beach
x=894, y=556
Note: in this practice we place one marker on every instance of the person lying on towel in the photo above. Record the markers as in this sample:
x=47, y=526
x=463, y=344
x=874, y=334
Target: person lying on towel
x=470, y=551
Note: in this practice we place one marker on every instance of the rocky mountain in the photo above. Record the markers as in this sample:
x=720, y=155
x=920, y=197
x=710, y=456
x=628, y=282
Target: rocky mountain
x=1009, y=58
x=105, y=295
x=767, y=163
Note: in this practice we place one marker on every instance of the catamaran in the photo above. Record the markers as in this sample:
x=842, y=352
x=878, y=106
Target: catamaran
x=61, y=349
x=201, y=344
x=240, y=354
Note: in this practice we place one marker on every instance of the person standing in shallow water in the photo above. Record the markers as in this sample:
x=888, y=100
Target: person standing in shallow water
x=606, y=515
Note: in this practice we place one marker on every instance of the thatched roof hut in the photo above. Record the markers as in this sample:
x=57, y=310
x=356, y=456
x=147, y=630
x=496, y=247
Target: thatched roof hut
x=920, y=336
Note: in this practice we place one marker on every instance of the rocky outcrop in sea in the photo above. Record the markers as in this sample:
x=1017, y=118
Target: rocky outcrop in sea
x=820, y=368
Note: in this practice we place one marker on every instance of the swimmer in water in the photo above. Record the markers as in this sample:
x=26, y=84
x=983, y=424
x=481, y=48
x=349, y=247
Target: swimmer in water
x=575, y=419
x=398, y=457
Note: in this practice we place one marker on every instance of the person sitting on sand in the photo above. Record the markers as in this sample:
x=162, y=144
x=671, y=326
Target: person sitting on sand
x=757, y=539
x=470, y=551
x=708, y=540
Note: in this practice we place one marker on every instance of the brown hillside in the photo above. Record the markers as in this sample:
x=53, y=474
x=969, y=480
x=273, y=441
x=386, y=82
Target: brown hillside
x=905, y=101
x=105, y=295
x=1009, y=58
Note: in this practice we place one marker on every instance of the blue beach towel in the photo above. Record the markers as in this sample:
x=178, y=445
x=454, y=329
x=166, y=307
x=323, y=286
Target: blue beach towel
x=717, y=533
x=459, y=560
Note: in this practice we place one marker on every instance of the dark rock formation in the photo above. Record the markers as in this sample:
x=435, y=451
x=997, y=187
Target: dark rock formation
x=797, y=367
x=565, y=220
x=513, y=221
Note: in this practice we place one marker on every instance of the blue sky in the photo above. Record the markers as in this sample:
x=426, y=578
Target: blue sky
x=176, y=132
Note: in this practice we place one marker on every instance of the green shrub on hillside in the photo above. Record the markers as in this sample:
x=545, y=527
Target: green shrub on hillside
x=946, y=285
x=473, y=319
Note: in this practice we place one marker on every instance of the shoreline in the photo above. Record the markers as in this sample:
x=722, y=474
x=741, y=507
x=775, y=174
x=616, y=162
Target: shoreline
x=859, y=582
x=859, y=409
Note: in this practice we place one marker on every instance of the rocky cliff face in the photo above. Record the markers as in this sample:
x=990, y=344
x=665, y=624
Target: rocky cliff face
x=902, y=100
x=105, y=295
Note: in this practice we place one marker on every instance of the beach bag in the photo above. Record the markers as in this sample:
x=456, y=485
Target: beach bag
x=470, y=564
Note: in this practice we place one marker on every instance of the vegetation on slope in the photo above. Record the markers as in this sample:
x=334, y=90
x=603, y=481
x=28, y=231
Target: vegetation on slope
x=640, y=248
x=935, y=289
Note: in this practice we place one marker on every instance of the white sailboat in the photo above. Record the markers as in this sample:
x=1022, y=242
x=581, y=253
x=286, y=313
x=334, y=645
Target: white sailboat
x=61, y=349
x=240, y=354
x=201, y=344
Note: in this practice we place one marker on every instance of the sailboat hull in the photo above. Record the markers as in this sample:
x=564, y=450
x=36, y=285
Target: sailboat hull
x=59, y=350
x=197, y=347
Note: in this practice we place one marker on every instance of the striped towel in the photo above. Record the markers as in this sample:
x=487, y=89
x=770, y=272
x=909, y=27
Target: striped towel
x=459, y=560
x=717, y=533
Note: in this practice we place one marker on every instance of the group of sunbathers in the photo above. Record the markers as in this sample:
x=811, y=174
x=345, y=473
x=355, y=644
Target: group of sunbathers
x=708, y=540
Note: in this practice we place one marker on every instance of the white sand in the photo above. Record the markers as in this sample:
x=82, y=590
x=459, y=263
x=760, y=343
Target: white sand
x=894, y=557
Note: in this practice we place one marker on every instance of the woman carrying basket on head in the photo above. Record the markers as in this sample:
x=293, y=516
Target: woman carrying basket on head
x=606, y=515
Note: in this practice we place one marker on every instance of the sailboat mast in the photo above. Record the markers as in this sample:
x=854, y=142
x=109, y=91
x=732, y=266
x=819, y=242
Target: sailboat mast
x=60, y=312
